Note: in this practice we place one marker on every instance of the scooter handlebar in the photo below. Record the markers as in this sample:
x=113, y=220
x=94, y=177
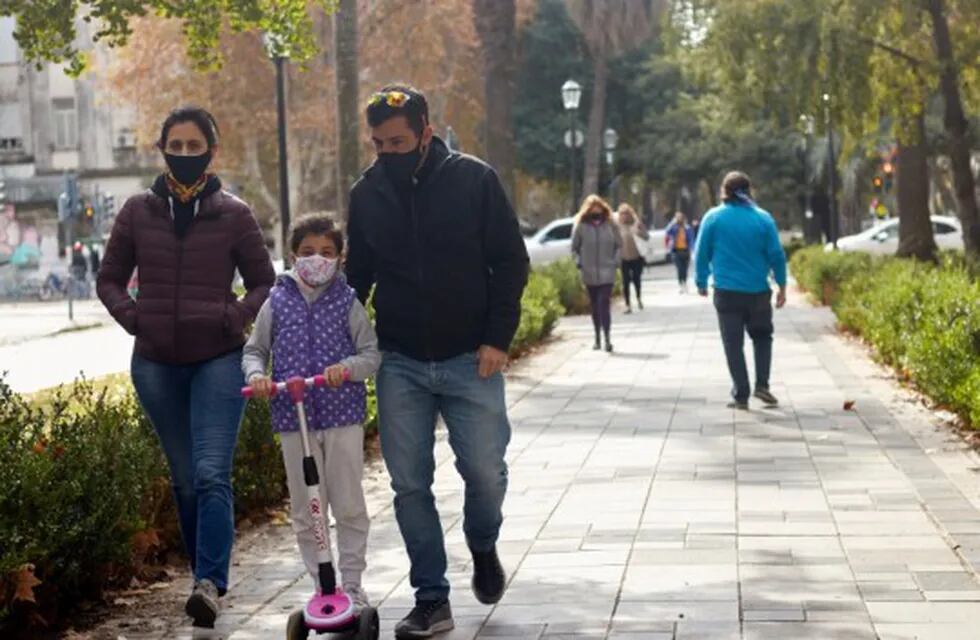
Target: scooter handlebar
x=297, y=386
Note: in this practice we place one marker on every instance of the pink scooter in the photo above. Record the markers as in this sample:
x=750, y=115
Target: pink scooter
x=325, y=612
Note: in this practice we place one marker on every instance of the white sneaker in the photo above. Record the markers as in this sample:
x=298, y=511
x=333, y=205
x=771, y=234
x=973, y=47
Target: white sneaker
x=358, y=596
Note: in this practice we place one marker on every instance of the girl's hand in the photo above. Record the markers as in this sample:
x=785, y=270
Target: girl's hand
x=262, y=387
x=336, y=375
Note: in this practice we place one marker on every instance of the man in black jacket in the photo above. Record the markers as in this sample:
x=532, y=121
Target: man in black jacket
x=433, y=230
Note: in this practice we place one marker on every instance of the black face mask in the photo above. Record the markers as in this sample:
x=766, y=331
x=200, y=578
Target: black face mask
x=188, y=169
x=401, y=167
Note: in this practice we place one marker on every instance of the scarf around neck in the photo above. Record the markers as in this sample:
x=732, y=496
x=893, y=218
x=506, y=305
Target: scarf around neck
x=185, y=193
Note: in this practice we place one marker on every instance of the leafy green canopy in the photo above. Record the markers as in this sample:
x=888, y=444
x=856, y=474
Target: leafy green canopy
x=47, y=30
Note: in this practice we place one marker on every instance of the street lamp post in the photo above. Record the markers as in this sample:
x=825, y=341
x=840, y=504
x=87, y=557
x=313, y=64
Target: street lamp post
x=807, y=121
x=832, y=171
x=571, y=94
x=278, y=54
x=609, y=139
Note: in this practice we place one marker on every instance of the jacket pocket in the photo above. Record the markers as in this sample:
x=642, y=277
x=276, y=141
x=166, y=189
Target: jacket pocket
x=235, y=319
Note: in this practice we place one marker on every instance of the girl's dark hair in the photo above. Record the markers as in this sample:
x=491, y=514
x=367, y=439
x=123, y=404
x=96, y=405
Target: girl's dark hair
x=201, y=117
x=735, y=183
x=315, y=224
x=416, y=109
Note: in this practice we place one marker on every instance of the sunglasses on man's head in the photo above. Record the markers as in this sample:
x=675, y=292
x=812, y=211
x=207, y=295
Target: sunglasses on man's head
x=396, y=99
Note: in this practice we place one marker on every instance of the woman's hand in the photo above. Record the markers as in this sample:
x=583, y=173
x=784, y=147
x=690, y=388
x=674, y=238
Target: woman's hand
x=262, y=387
x=336, y=375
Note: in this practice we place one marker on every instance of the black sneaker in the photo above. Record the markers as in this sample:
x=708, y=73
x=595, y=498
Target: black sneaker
x=596, y=346
x=427, y=618
x=735, y=404
x=766, y=396
x=203, y=605
x=488, y=576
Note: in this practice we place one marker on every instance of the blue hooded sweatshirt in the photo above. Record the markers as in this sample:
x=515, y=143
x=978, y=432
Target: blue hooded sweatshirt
x=739, y=245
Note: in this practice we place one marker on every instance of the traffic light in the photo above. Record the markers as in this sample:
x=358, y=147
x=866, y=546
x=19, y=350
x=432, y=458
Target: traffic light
x=878, y=183
x=89, y=212
x=889, y=170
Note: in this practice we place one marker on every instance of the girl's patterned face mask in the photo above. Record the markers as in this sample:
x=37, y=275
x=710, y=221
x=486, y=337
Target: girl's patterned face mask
x=316, y=270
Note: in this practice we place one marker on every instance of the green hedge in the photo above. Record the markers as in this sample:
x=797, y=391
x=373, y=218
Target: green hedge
x=922, y=319
x=84, y=488
x=571, y=292
x=541, y=308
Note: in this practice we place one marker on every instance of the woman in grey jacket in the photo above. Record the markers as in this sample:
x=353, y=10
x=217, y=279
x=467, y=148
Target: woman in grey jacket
x=597, y=245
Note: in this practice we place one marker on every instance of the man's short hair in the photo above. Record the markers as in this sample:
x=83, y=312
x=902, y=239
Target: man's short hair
x=399, y=100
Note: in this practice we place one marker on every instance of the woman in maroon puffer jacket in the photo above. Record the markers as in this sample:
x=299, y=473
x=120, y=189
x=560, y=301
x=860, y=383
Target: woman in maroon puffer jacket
x=187, y=237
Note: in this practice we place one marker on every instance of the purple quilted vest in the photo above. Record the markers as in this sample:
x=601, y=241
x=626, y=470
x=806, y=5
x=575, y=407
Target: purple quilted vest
x=306, y=339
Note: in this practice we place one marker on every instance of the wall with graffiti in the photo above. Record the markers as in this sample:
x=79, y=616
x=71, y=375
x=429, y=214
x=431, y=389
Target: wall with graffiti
x=20, y=242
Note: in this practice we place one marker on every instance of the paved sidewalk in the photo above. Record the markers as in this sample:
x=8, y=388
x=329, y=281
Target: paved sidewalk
x=640, y=508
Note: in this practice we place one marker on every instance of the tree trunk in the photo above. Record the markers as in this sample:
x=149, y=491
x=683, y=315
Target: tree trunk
x=597, y=118
x=915, y=236
x=348, y=113
x=495, y=24
x=957, y=131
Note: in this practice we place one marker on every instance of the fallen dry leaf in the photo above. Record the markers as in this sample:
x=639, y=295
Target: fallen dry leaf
x=848, y=405
x=24, y=583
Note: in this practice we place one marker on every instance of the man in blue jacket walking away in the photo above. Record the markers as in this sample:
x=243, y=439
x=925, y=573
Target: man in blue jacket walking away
x=738, y=246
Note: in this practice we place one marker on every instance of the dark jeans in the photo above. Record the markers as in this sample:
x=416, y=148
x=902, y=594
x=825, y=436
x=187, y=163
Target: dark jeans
x=739, y=313
x=600, y=298
x=682, y=260
x=196, y=411
x=632, y=274
x=411, y=394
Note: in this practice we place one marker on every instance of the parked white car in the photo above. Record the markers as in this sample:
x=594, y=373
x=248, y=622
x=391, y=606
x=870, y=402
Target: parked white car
x=554, y=242
x=883, y=238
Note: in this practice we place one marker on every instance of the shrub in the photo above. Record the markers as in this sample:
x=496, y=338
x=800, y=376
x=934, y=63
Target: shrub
x=540, y=312
x=823, y=272
x=920, y=318
x=568, y=283
x=72, y=479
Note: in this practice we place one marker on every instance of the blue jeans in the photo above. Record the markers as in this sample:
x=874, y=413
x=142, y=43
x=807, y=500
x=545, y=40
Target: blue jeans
x=411, y=394
x=196, y=411
x=739, y=313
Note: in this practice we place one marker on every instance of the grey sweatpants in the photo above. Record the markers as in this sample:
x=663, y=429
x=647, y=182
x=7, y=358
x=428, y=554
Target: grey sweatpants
x=339, y=455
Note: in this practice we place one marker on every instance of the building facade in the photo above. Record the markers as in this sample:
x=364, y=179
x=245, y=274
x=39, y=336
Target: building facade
x=52, y=125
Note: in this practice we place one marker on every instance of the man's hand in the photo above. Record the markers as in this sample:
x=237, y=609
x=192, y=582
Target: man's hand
x=492, y=360
x=781, y=298
x=702, y=292
x=262, y=387
x=336, y=375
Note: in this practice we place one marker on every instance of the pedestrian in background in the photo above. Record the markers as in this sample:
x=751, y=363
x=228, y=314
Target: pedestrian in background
x=680, y=241
x=597, y=245
x=632, y=261
x=739, y=247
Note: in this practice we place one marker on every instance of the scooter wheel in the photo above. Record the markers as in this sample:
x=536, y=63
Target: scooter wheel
x=368, y=628
x=296, y=628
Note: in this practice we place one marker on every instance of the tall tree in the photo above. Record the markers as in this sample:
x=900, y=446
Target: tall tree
x=956, y=128
x=348, y=108
x=496, y=25
x=610, y=28
x=915, y=233
x=46, y=31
